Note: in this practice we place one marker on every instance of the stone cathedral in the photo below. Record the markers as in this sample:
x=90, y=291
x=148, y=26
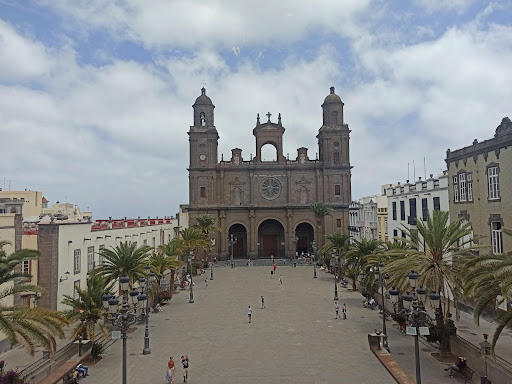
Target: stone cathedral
x=266, y=205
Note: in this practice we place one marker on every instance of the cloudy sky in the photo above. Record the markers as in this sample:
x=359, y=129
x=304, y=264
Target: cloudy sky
x=96, y=95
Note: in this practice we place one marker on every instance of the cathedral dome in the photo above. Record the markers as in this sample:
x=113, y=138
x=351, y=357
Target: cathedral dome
x=332, y=98
x=203, y=99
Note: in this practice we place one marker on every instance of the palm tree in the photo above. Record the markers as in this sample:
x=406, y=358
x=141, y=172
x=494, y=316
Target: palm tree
x=338, y=241
x=487, y=280
x=321, y=210
x=124, y=259
x=206, y=224
x=436, y=249
x=356, y=258
x=165, y=259
x=191, y=239
x=21, y=325
x=87, y=308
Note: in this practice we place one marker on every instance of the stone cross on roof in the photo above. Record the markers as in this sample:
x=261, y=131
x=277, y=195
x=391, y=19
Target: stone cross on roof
x=268, y=115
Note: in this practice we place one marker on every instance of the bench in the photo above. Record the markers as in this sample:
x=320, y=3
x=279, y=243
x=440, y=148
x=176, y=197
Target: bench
x=466, y=373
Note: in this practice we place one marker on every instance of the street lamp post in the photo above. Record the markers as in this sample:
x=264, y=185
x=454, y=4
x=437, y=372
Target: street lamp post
x=124, y=319
x=313, y=245
x=335, y=254
x=190, y=258
x=231, y=241
x=212, y=245
x=150, y=278
x=417, y=315
x=381, y=278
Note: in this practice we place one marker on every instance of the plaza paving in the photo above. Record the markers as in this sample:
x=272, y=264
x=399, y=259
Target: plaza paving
x=296, y=339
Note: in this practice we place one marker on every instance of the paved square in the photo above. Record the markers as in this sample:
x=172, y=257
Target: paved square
x=296, y=339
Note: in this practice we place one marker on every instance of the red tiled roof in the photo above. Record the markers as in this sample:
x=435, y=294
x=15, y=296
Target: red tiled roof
x=44, y=200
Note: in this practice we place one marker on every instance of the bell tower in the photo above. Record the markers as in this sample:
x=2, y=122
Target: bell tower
x=203, y=136
x=333, y=136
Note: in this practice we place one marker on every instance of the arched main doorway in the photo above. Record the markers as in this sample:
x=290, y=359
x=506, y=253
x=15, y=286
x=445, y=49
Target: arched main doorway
x=271, y=239
x=240, y=247
x=305, y=234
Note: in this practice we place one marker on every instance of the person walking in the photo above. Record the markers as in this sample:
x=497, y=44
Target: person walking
x=249, y=313
x=170, y=370
x=206, y=283
x=262, y=303
x=281, y=279
x=272, y=258
x=185, y=361
x=271, y=273
x=275, y=268
x=337, y=309
x=344, y=310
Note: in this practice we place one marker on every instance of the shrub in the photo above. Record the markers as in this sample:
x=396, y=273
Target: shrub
x=97, y=350
x=11, y=377
x=434, y=332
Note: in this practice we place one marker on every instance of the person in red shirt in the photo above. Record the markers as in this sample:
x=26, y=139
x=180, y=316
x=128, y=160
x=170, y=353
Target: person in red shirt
x=171, y=369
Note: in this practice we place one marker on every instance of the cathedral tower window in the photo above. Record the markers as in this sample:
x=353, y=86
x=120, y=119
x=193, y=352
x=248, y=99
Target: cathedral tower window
x=303, y=195
x=237, y=196
x=336, y=157
x=202, y=119
x=202, y=192
x=334, y=118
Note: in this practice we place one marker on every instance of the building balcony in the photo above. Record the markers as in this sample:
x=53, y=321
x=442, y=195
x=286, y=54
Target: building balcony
x=372, y=224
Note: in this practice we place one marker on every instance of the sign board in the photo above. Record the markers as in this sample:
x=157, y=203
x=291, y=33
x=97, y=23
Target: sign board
x=116, y=335
x=424, y=331
x=411, y=331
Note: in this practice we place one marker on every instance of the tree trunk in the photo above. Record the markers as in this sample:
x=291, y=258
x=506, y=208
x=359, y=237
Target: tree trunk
x=444, y=336
x=171, y=285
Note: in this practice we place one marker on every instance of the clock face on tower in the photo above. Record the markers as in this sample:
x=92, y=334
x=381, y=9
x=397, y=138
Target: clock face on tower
x=270, y=188
x=202, y=157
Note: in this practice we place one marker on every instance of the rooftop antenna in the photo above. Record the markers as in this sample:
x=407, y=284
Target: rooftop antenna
x=408, y=172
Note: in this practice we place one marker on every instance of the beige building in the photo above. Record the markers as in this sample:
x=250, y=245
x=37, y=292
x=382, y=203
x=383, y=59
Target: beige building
x=480, y=185
x=70, y=249
x=266, y=202
x=33, y=201
x=65, y=209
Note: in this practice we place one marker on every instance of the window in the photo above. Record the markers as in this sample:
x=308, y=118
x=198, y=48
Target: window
x=334, y=117
x=145, y=243
x=394, y=210
x=395, y=234
x=336, y=157
x=386, y=226
x=380, y=226
x=169, y=237
x=455, y=188
x=494, y=186
x=437, y=204
x=469, y=179
x=237, y=196
x=403, y=234
x=337, y=190
x=424, y=185
x=402, y=210
x=90, y=259
x=202, y=192
x=25, y=267
x=76, y=285
x=153, y=243
x=100, y=251
x=2, y=210
x=338, y=223
x=424, y=208
x=462, y=186
x=76, y=261
x=162, y=237
x=303, y=195
x=497, y=239
x=412, y=211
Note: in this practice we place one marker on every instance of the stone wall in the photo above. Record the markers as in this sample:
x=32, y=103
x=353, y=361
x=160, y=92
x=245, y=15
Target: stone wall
x=47, y=274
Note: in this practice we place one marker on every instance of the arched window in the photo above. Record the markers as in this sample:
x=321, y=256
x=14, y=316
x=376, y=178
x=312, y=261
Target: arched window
x=334, y=117
x=202, y=119
x=303, y=195
x=268, y=153
x=237, y=196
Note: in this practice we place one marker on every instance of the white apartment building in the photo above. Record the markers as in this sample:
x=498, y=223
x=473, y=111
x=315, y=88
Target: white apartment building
x=414, y=201
x=70, y=250
x=363, y=218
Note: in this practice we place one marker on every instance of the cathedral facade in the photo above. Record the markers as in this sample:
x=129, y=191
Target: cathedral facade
x=267, y=205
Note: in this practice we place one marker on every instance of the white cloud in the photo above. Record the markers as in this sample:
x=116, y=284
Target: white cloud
x=21, y=58
x=212, y=22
